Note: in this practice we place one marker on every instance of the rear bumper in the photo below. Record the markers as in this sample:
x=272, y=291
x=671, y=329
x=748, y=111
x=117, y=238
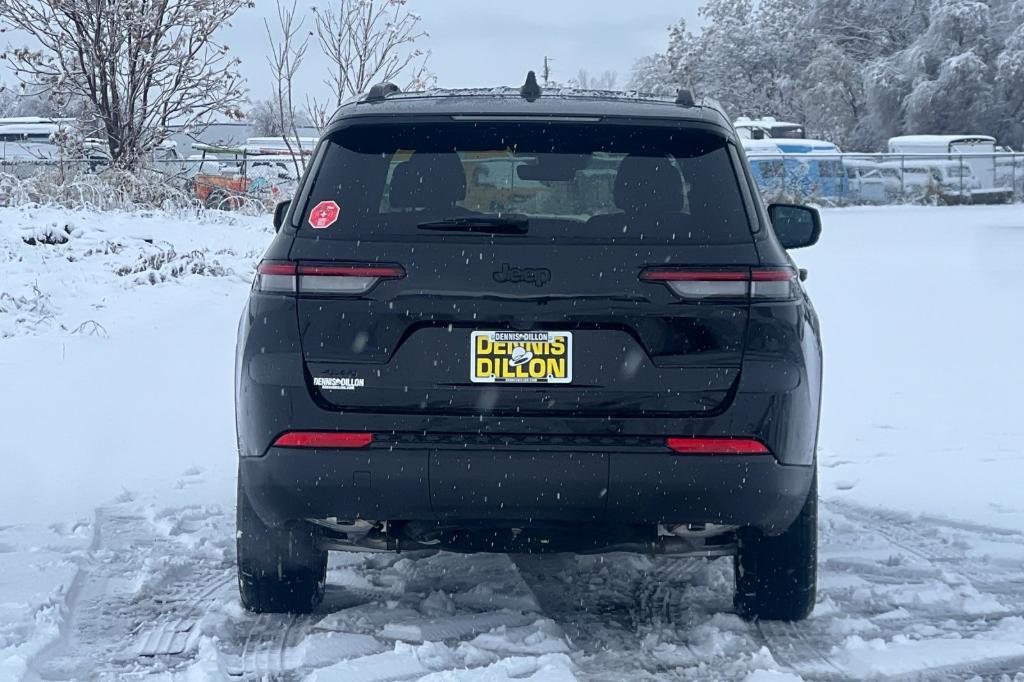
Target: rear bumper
x=593, y=487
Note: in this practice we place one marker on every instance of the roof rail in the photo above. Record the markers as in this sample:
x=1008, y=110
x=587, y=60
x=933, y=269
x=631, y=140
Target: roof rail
x=531, y=91
x=380, y=92
x=685, y=98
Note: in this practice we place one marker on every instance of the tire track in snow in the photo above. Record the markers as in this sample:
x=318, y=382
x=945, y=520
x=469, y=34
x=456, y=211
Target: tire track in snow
x=37, y=664
x=792, y=648
x=120, y=591
x=609, y=606
x=175, y=633
x=264, y=651
x=922, y=538
x=944, y=593
x=624, y=616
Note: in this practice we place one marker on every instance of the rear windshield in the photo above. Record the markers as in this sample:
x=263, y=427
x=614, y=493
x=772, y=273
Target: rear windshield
x=556, y=180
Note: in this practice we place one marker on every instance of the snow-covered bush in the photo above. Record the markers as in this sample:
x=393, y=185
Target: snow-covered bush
x=81, y=187
x=47, y=235
x=24, y=312
x=167, y=264
x=107, y=190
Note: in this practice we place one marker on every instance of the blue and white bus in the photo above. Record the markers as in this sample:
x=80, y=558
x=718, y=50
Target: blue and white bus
x=797, y=168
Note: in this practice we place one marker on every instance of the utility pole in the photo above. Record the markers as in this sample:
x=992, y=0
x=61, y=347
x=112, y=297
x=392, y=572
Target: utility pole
x=546, y=73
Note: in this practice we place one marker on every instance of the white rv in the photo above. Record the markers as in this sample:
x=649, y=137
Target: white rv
x=976, y=151
x=767, y=127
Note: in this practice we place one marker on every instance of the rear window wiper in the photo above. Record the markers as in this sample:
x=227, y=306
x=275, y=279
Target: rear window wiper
x=479, y=224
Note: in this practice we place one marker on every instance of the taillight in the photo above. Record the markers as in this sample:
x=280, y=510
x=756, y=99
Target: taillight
x=301, y=278
x=756, y=283
x=323, y=439
x=276, y=277
x=717, y=446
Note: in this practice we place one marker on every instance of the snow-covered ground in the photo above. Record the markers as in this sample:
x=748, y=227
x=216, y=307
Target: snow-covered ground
x=117, y=484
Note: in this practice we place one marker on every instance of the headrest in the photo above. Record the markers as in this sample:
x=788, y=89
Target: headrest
x=428, y=181
x=648, y=184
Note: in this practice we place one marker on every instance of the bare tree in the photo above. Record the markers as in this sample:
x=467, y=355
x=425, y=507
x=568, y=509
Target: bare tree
x=266, y=120
x=286, y=54
x=370, y=41
x=318, y=112
x=141, y=64
x=608, y=80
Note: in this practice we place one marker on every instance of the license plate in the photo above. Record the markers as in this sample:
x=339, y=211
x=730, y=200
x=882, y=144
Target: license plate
x=521, y=357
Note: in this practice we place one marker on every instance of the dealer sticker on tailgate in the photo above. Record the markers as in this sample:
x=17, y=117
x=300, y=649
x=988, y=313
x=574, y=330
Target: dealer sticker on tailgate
x=522, y=357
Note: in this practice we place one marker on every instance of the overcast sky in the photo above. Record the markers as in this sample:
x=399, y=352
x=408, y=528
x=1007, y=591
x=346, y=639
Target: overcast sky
x=481, y=42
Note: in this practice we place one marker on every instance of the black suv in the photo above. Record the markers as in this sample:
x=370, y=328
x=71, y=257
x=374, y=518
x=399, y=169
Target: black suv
x=508, y=321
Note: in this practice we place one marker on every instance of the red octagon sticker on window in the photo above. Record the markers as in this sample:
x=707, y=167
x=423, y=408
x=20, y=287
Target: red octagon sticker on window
x=324, y=215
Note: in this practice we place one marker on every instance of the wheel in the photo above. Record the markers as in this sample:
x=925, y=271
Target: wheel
x=213, y=200
x=280, y=570
x=776, y=577
x=218, y=200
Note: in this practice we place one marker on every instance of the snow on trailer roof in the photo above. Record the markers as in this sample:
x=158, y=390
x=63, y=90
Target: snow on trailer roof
x=939, y=139
x=789, y=146
x=762, y=122
x=18, y=120
x=282, y=143
x=765, y=146
x=28, y=128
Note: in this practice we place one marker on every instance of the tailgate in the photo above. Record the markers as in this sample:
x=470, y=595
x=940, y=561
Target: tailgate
x=627, y=347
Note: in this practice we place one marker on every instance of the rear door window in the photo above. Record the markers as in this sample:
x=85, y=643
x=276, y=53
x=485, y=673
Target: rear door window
x=606, y=183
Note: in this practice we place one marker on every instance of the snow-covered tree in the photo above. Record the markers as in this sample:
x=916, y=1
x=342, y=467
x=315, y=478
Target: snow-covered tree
x=833, y=93
x=265, y=119
x=141, y=65
x=654, y=75
x=746, y=56
x=1009, y=82
x=857, y=71
x=606, y=80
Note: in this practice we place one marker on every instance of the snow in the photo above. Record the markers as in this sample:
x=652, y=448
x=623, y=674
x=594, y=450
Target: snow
x=116, y=503
x=903, y=143
x=922, y=410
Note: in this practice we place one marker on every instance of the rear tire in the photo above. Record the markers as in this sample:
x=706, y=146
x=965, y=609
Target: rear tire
x=280, y=570
x=776, y=577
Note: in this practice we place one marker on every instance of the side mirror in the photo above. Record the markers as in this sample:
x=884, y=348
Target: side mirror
x=795, y=226
x=279, y=213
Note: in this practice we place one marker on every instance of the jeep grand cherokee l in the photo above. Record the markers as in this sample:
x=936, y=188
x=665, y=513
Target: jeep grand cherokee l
x=502, y=321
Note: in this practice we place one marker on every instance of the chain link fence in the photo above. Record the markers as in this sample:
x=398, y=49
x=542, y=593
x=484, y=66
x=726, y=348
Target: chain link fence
x=251, y=185
x=255, y=184
x=880, y=179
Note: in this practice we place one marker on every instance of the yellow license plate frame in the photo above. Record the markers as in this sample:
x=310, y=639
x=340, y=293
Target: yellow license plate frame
x=510, y=357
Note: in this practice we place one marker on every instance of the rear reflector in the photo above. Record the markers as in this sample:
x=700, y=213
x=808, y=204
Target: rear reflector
x=293, y=278
x=759, y=283
x=323, y=439
x=717, y=446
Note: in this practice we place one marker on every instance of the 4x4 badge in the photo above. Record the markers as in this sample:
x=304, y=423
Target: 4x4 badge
x=539, y=276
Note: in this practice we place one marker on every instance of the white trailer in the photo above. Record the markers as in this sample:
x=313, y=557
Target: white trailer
x=977, y=151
